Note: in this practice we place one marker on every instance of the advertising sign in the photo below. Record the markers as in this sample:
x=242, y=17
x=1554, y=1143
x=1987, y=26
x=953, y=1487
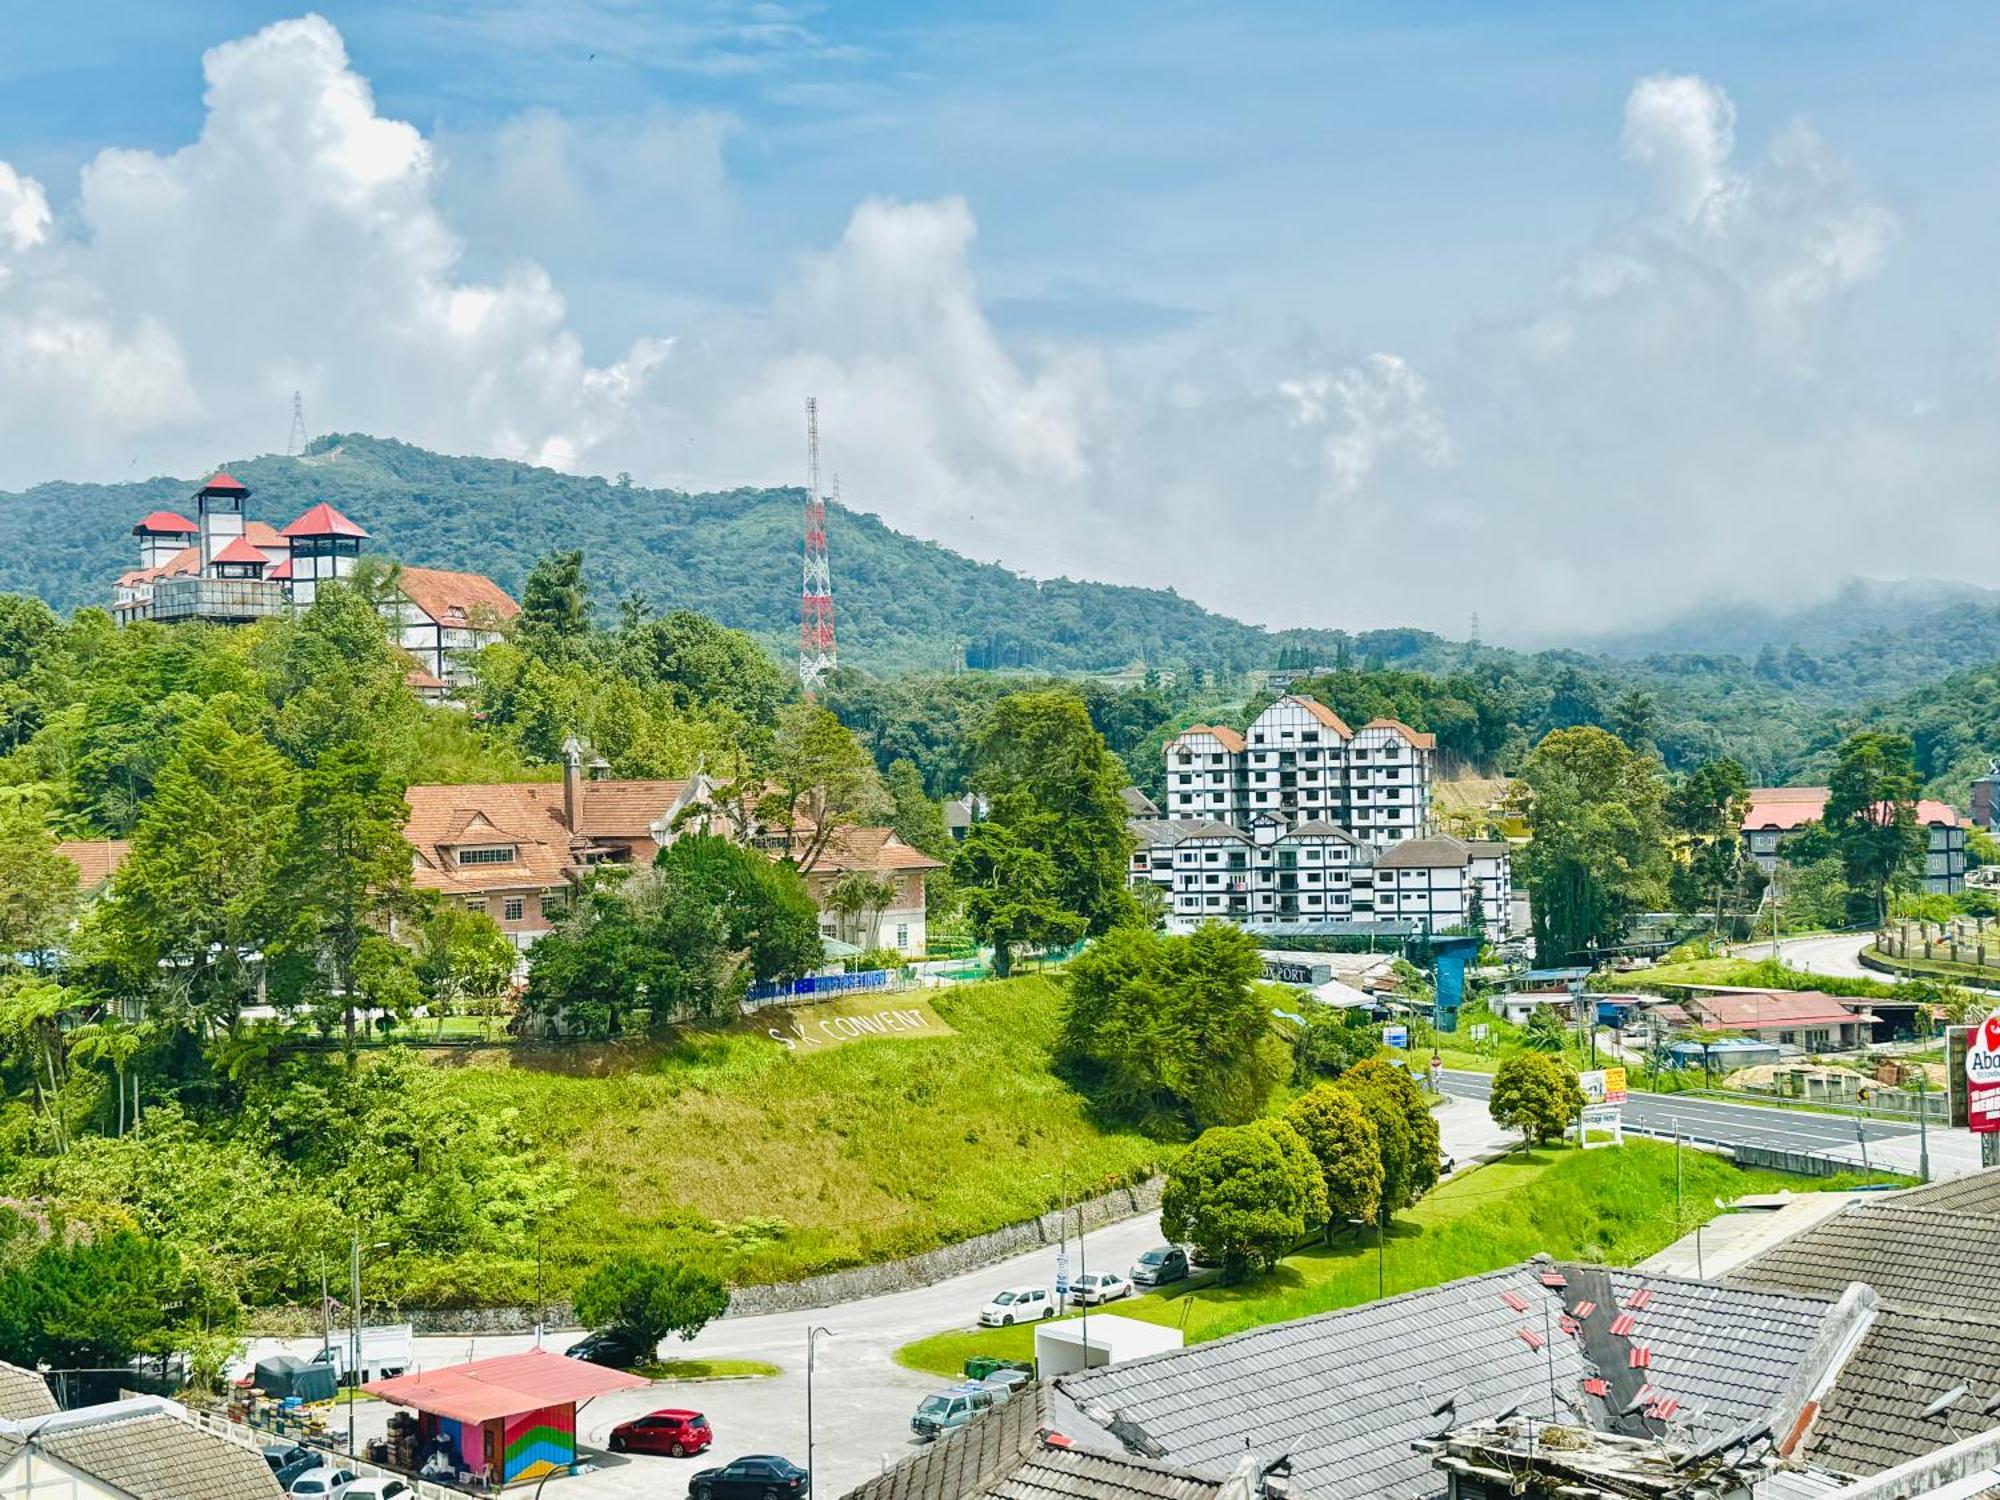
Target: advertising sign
x=1062, y=1273
x=1982, y=1075
x=1396, y=1036
x=1603, y=1085
x=1605, y=1121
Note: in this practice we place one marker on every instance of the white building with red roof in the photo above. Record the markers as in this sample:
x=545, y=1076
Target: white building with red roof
x=227, y=568
x=1777, y=813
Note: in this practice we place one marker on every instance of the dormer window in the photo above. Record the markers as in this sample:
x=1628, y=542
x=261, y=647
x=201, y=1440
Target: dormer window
x=488, y=854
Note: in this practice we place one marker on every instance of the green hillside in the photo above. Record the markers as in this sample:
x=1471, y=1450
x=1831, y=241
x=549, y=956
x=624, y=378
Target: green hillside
x=903, y=603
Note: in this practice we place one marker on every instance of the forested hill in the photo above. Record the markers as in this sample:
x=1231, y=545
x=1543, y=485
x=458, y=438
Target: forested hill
x=903, y=603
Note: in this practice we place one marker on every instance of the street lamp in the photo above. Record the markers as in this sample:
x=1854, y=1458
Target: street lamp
x=813, y=1335
x=354, y=1332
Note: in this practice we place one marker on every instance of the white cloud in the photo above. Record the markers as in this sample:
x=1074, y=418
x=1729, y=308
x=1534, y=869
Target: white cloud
x=24, y=210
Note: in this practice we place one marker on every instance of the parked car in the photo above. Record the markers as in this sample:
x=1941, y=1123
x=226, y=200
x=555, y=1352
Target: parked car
x=609, y=1347
x=939, y=1414
x=277, y=1455
x=387, y=1349
x=381, y=1487
x=1018, y=1304
x=1158, y=1267
x=323, y=1483
x=755, y=1476
x=1100, y=1286
x=1009, y=1381
x=313, y=1459
x=674, y=1430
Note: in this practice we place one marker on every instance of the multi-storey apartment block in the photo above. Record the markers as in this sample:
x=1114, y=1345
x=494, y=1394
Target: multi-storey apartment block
x=1303, y=820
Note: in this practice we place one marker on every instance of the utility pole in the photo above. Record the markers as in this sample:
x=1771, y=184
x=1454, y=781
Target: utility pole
x=353, y=1339
x=813, y=1335
x=1083, y=1269
x=1678, y=1219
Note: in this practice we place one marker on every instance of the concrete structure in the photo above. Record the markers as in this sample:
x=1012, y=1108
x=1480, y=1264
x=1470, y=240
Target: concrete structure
x=1439, y=881
x=1062, y=1348
x=1776, y=813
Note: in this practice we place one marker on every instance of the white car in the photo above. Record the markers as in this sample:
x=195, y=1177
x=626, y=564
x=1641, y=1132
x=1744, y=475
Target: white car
x=1099, y=1286
x=382, y=1487
x=324, y=1483
x=1018, y=1304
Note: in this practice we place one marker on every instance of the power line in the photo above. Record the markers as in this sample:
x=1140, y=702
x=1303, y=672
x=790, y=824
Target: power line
x=817, y=655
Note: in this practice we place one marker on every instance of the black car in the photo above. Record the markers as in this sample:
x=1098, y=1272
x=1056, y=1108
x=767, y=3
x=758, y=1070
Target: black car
x=609, y=1347
x=755, y=1476
x=279, y=1455
x=1158, y=1267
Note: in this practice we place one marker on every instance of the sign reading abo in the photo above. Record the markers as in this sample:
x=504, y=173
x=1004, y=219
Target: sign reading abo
x=1982, y=1075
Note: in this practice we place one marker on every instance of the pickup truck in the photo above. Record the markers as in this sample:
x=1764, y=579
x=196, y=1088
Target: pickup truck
x=386, y=1349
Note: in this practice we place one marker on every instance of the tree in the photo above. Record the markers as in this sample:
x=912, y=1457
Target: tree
x=85, y=1304
x=648, y=1299
x=1535, y=1094
x=1331, y=1042
x=461, y=954
x=1599, y=850
x=1545, y=1031
x=1405, y=1128
x=1706, y=809
x=918, y=821
x=1011, y=898
x=1244, y=1194
x=554, y=623
x=858, y=897
x=818, y=781
x=1871, y=811
x=767, y=914
x=1172, y=1028
x=32, y=1008
x=1634, y=719
x=703, y=664
x=38, y=886
x=1053, y=784
x=1343, y=1141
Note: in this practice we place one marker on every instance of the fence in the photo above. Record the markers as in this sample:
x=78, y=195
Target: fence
x=1963, y=941
x=823, y=986
x=255, y=1438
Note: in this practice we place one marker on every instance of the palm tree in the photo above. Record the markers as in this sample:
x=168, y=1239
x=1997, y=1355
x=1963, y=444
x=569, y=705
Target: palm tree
x=31, y=1011
x=111, y=1041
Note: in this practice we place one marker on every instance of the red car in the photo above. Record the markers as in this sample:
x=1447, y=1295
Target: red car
x=671, y=1431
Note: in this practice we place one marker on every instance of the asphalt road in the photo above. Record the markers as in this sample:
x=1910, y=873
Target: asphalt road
x=1711, y=1121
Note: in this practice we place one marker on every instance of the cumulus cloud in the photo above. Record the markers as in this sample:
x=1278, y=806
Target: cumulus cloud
x=1681, y=392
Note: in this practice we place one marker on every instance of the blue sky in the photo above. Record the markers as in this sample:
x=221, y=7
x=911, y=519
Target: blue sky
x=1152, y=193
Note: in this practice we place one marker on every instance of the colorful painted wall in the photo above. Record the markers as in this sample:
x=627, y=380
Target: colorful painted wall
x=538, y=1443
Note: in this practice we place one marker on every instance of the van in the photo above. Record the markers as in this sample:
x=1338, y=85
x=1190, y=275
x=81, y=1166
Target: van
x=950, y=1410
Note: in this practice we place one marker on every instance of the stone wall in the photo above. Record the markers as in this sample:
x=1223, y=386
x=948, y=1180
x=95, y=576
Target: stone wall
x=836, y=1287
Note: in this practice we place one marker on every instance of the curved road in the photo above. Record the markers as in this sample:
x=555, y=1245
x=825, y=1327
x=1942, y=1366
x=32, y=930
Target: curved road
x=1837, y=956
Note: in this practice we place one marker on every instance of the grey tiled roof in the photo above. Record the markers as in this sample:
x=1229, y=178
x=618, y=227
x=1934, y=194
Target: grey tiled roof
x=23, y=1394
x=1001, y=1455
x=1873, y=1418
x=1138, y=804
x=1920, y=1258
x=1319, y=828
x=1974, y=1193
x=1439, y=852
x=1157, y=832
x=1345, y=1393
x=152, y=1455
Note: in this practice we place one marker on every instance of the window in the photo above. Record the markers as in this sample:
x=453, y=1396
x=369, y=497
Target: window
x=551, y=905
x=476, y=903
x=496, y=854
x=903, y=938
x=513, y=908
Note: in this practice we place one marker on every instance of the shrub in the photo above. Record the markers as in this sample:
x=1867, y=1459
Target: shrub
x=1536, y=1095
x=1244, y=1194
x=649, y=1299
x=1344, y=1142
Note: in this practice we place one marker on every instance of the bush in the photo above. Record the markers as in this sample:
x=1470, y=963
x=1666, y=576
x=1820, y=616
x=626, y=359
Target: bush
x=1344, y=1142
x=1404, y=1126
x=1244, y=1194
x=1536, y=1095
x=649, y=1299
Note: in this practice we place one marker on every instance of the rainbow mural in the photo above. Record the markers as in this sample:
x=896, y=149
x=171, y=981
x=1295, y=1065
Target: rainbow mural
x=536, y=1443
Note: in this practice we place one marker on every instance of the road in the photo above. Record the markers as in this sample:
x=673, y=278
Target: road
x=1837, y=955
x=862, y=1399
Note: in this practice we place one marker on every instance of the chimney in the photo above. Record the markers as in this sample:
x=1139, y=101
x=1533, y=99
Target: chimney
x=572, y=750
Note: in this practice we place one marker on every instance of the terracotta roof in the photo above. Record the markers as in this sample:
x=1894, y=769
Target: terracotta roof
x=1417, y=741
x=455, y=599
x=165, y=523
x=279, y=572
x=876, y=850
x=261, y=534
x=527, y=814
x=1749, y=1010
x=1788, y=808
x=627, y=809
x=242, y=550
x=222, y=479
x=1324, y=714
x=322, y=520
x=504, y=1386
x=422, y=680
x=187, y=560
x=96, y=860
x=1231, y=740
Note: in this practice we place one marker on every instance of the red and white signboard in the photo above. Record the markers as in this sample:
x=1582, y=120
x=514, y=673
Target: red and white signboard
x=1982, y=1075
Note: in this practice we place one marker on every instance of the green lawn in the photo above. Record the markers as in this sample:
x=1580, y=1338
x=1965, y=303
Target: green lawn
x=1752, y=973
x=1614, y=1206
x=707, y=1369
x=765, y=1165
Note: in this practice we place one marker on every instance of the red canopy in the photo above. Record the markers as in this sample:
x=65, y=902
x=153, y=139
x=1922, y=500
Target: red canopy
x=505, y=1386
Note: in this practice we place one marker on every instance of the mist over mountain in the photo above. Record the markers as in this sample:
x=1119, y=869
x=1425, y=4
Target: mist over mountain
x=1854, y=609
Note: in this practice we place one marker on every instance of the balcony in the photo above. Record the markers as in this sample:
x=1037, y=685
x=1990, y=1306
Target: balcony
x=230, y=600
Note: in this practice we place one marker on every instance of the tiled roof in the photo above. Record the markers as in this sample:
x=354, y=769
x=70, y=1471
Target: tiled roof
x=1974, y=1193
x=1318, y=828
x=1439, y=852
x=262, y=535
x=23, y=1394
x=1003, y=1455
x=876, y=850
x=1230, y=739
x=1786, y=808
x=222, y=479
x=1417, y=741
x=242, y=550
x=1748, y=1010
x=322, y=520
x=1157, y=833
x=96, y=860
x=152, y=1454
x=1925, y=1259
x=166, y=523
x=525, y=813
x=1138, y=804
x=1324, y=714
x=279, y=572
x=1873, y=1418
x=627, y=809
x=1210, y=828
x=458, y=600
x=1346, y=1392
x=187, y=560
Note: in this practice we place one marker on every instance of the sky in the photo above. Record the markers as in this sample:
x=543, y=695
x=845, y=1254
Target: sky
x=1566, y=315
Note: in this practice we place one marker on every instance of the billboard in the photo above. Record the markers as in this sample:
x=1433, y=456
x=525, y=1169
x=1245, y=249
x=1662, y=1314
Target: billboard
x=1978, y=1063
x=1396, y=1036
x=1603, y=1085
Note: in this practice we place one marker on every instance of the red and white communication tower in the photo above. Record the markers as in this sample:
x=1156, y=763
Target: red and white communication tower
x=816, y=650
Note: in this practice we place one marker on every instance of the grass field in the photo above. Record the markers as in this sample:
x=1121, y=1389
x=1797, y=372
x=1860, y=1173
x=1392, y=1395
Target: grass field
x=1750, y=973
x=1611, y=1206
x=765, y=1165
x=708, y=1369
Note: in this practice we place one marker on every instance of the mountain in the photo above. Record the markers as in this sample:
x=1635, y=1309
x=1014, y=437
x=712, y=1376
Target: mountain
x=1858, y=609
x=901, y=603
